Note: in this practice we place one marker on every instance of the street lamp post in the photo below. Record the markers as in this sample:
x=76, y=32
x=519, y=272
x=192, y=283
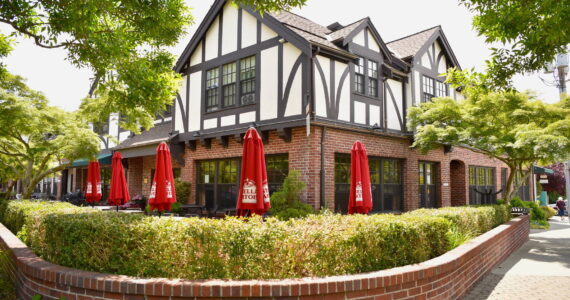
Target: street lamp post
x=562, y=67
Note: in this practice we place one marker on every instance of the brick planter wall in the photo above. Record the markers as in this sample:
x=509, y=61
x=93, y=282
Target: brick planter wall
x=446, y=277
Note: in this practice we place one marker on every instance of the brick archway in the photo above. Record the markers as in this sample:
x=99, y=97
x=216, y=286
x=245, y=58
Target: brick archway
x=458, y=183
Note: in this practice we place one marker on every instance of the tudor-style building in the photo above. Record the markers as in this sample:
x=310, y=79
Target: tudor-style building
x=311, y=91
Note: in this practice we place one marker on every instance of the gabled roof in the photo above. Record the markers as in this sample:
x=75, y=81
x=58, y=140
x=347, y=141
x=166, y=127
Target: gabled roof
x=346, y=30
x=409, y=46
x=155, y=135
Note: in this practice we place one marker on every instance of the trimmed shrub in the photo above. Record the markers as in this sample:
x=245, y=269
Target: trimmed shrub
x=196, y=248
x=549, y=212
x=286, y=203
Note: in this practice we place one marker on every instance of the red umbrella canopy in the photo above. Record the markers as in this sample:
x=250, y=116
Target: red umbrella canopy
x=360, y=200
x=119, y=193
x=93, y=190
x=162, y=192
x=253, y=190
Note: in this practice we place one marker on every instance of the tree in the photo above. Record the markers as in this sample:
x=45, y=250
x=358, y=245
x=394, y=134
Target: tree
x=556, y=182
x=36, y=139
x=510, y=126
x=532, y=33
x=122, y=41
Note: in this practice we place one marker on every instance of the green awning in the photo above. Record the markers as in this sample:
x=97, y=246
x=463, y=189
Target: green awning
x=541, y=170
x=104, y=159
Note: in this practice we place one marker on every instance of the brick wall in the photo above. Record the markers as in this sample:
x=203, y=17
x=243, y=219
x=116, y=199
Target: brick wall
x=305, y=156
x=448, y=276
x=134, y=176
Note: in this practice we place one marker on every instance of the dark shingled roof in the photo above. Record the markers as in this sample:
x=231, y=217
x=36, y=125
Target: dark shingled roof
x=409, y=46
x=155, y=135
x=346, y=30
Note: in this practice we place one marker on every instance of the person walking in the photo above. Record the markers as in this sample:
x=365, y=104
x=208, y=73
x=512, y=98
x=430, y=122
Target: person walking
x=561, y=207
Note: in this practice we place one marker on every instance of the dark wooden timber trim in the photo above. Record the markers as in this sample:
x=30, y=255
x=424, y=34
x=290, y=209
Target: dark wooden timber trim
x=222, y=141
x=284, y=133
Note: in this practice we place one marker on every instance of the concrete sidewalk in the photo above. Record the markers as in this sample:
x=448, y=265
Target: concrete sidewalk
x=540, y=269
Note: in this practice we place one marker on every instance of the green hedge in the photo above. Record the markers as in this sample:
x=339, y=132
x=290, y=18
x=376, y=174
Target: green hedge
x=194, y=248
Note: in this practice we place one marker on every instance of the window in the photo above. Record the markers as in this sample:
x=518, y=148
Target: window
x=218, y=180
x=427, y=182
x=482, y=185
x=212, y=78
x=372, y=78
x=385, y=183
x=366, y=77
x=237, y=82
x=247, y=80
x=229, y=84
x=433, y=88
x=440, y=89
x=428, y=88
x=277, y=170
x=359, y=76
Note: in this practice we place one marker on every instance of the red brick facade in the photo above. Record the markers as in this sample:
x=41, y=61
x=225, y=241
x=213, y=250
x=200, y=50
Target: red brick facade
x=445, y=277
x=304, y=154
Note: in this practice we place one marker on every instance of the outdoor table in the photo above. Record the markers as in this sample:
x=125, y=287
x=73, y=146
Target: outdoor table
x=192, y=209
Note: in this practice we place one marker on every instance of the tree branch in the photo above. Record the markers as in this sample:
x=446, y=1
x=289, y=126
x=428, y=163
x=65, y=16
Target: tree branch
x=37, y=38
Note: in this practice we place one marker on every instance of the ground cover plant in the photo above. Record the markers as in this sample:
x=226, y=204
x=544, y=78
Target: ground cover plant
x=198, y=248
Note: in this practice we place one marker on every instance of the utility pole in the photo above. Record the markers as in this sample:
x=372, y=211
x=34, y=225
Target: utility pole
x=562, y=66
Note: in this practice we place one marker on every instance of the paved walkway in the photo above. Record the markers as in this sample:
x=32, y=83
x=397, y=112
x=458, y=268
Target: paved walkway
x=539, y=270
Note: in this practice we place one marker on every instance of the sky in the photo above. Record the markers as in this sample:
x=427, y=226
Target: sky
x=47, y=70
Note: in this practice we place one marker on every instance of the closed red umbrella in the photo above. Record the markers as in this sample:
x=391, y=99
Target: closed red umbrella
x=93, y=189
x=360, y=200
x=162, y=192
x=119, y=193
x=253, y=195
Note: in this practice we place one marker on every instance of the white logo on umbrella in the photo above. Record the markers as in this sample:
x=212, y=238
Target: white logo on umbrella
x=359, y=191
x=99, y=189
x=249, y=191
x=89, y=188
x=265, y=192
x=168, y=189
x=153, y=190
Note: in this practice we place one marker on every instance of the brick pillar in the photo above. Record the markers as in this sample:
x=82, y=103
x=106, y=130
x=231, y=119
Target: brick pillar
x=458, y=183
x=410, y=180
x=134, y=176
x=444, y=183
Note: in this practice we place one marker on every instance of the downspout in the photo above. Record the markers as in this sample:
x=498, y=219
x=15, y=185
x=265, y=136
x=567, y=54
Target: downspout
x=323, y=129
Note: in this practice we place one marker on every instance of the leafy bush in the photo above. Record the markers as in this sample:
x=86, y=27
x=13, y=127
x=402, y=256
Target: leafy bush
x=7, y=287
x=286, y=203
x=539, y=224
x=197, y=248
x=182, y=189
x=548, y=211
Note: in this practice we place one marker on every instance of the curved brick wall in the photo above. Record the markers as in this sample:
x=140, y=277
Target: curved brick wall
x=446, y=277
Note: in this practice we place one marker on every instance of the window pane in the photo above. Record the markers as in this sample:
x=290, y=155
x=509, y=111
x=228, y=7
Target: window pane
x=373, y=87
x=212, y=82
x=472, y=178
x=247, y=80
x=277, y=170
x=207, y=171
x=441, y=89
x=374, y=167
x=342, y=170
x=428, y=88
x=359, y=83
x=372, y=69
x=391, y=171
x=228, y=171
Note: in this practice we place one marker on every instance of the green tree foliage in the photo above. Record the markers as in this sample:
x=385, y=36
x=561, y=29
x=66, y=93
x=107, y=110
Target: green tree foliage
x=36, y=139
x=510, y=126
x=122, y=41
x=532, y=33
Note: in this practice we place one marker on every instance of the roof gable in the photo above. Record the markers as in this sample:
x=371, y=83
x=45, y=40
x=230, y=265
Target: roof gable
x=211, y=17
x=414, y=45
